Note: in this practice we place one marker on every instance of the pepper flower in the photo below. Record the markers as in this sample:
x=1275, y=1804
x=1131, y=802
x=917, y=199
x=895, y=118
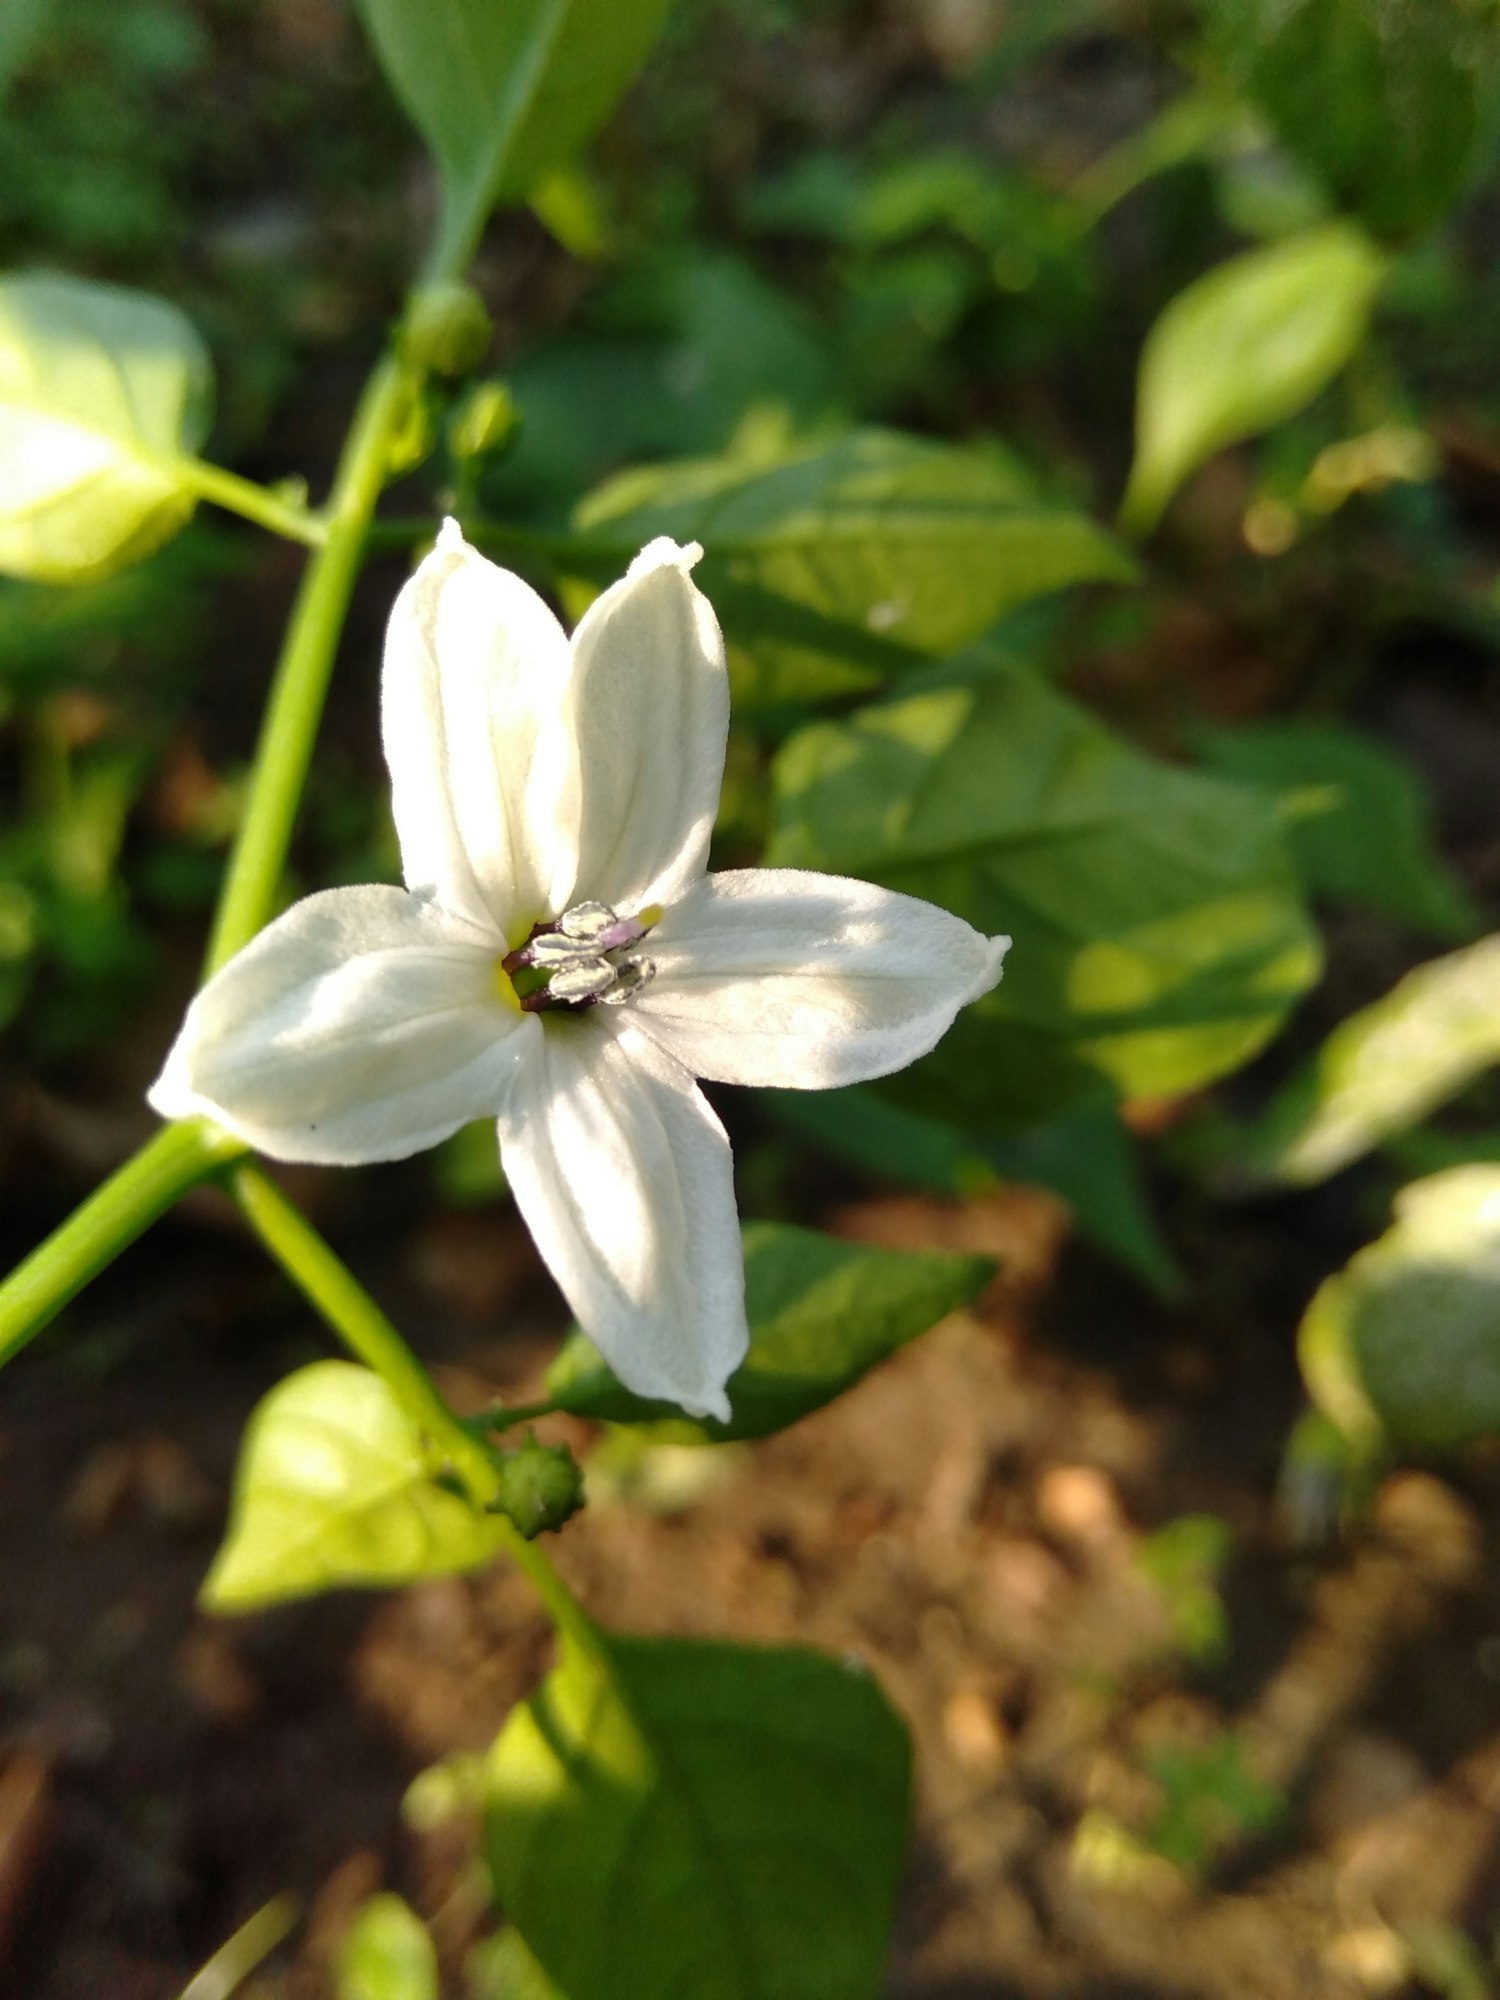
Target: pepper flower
x=560, y=961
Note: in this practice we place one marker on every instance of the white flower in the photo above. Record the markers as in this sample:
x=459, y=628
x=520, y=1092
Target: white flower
x=560, y=961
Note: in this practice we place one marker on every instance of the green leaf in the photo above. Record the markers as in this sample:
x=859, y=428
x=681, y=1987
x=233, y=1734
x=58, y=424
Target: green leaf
x=336, y=1486
x=22, y=23
x=506, y=91
x=671, y=1817
x=1357, y=819
x=821, y=1313
x=1385, y=101
x=1386, y=1067
x=1087, y=1158
x=1241, y=350
x=1404, y=1343
x=855, y=558
x=1159, y=938
x=102, y=392
x=501, y=1968
x=386, y=1954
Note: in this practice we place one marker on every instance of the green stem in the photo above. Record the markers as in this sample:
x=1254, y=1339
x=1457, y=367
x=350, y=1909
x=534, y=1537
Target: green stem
x=255, y=503
x=235, y=1960
x=300, y=684
x=113, y=1216
x=328, y=1284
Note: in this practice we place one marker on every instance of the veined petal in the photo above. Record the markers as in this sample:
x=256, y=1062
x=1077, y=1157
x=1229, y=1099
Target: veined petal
x=364, y=1024
x=483, y=770
x=649, y=702
x=624, y=1176
x=782, y=977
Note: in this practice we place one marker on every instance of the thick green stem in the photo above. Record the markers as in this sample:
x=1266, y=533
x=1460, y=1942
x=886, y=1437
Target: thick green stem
x=328, y=1284
x=113, y=1216
x=255, y=503
x=295, y=707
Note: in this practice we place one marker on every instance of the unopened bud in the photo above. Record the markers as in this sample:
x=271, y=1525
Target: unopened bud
x=446, y=330
x=484, y=422
x=541, y=1486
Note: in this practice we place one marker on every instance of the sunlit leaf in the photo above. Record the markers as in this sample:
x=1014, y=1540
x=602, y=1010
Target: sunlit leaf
x=337, y=1486
x=506, y=91
x=1356, y=817
x=675, y=1816
x=1387, y=1066
x=821, y=1313
x=102, y=392
x=501, y=1968
x=1159, y=936
x=1385, y=101
x=386, y=1954
x=856, y=556
x=1404, y=1342
x=1242, y=349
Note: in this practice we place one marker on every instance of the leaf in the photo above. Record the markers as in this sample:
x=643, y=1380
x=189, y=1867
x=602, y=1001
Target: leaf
x=1242, y=349
x=815, y=552
x=1386, y=1067
x=1357, y=819
x=386, y=1954
x=672, y=1816
x=1159, y=938
x=821, y=1313
x=1087, y=1158
x=337, y=1486
x=501, y=1968
x=1404, y=1343
x=102, y=392
x=22, y=23
x=1385, y=101
x=506, y=91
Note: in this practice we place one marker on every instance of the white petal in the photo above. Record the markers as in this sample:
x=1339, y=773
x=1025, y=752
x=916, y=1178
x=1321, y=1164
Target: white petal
x=776, y=976
x=624, y=1176
x=363, y=1024
x=650, y=707
x=483, y=771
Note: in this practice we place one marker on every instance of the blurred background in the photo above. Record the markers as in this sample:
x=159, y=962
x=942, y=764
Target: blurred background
x=1200, y=1709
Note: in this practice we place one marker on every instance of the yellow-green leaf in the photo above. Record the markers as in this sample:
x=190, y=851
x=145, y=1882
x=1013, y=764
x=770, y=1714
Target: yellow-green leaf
x=1242, y=349
x=102, y=393
x=336, y=1485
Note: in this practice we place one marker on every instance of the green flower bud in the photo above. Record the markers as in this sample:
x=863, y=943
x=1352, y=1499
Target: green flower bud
x=446, y=330
x=484, y=422
x=541, y=1486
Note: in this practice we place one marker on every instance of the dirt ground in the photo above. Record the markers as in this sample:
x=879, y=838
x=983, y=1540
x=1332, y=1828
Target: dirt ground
x=975, y=1521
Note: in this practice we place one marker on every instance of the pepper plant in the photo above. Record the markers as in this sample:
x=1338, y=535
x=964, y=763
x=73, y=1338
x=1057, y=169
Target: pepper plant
x=672, y=1817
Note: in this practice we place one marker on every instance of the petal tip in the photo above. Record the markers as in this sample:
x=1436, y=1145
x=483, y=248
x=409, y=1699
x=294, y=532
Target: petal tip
x=450, y=537
x=664, y=553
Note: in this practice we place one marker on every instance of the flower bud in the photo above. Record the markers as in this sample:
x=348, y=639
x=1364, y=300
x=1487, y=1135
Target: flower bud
x=541, y=1486
x=484, y=422
x=446, y=330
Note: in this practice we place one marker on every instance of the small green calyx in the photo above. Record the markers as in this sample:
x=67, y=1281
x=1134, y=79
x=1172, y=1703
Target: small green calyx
x=541, y=1486
x=447, y=330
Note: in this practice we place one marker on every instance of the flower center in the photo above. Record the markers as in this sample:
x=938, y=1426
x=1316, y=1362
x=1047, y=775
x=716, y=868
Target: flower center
x=584, y=957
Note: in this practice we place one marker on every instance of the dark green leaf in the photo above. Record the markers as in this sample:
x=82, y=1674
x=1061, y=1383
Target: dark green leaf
x=821, y=1313
x=1404, y=1342
x=671, y=1817
x=1241, y=350
x=1357, y=819
x=506, y=91
x=820, y=550
x=1159, y=938
x=1385, y=101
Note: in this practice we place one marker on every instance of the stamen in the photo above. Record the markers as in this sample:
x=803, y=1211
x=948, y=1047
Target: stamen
x=587, y=979
x=573, y=962
x=632, y=975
